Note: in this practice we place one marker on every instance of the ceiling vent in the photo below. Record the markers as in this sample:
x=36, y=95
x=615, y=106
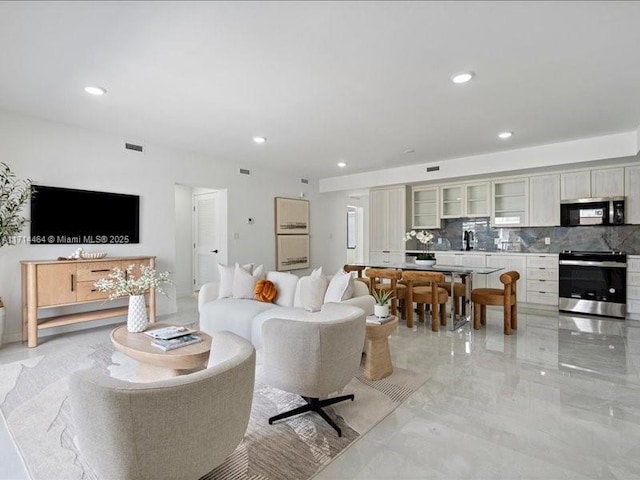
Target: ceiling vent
x=245, y=171
x=304, y=180
x=134, y=147
x=433, y=169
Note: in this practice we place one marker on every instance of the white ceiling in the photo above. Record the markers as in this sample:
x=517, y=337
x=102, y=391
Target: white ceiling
x=327, y=81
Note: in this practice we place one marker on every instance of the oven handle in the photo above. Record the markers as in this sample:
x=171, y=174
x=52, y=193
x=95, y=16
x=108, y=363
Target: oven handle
x=584, y=263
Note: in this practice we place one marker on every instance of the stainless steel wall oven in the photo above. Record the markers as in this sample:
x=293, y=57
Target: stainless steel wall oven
x=593, y=283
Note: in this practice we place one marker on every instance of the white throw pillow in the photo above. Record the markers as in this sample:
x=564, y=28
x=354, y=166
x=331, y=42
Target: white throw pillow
x=296, y=299
x=226, y=274
x=244, y=283
x=286, y=284
x=340, y=287
x=312, y=291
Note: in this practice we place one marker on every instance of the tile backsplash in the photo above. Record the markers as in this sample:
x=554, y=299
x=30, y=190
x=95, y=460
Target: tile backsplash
x=625, y=238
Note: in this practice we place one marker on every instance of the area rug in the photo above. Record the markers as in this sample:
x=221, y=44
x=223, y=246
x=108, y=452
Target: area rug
x=34, y=403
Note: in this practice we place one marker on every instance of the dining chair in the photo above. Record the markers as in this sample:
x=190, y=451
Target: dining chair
x=359, y=269
x=423, y=289
x=459, y=295
x=507, y=297
x=377, y=281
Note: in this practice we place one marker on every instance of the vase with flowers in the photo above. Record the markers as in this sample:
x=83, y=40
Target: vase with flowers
x=122, y=283
x=425, y=238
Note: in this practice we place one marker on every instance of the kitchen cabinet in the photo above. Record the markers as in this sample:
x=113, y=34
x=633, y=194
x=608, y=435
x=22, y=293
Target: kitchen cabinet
x=542, y=279
x=467, y=260
x=633, y=285
x=465, y=200
x=424, y=207
x=632, y=194
x=517, y=263
x=54, y=283
x=603, y=182
x=510, y=202
x=544, y=200
x=387, y=209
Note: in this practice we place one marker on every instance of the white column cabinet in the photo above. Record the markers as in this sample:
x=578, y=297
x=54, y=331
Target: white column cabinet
x=633, y=285
x=544, y=200
x=387, y=210
x=632, y=194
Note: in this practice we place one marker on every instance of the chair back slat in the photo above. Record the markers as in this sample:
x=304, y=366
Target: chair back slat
x=354, y=268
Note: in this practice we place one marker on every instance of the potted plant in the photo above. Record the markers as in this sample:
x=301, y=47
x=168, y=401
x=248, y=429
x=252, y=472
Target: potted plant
x=14, y=194
x=382, y=297
x=425, y=238
x=123, y=283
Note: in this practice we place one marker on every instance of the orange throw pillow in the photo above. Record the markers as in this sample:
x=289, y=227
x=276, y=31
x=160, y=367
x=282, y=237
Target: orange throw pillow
x=265, y=291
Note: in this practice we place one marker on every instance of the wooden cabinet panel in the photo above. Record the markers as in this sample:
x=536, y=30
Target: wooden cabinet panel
x=56, y=284
x=96, y=270
x=575, y=185
x=607, y=182
x=87, y=292
x=544, y=200
x=632, y=194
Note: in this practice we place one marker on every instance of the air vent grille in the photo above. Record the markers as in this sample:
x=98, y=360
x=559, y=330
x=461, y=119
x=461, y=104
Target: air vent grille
x=245, y=171
x=304, y=180
x=133, y=146
x=433, y=169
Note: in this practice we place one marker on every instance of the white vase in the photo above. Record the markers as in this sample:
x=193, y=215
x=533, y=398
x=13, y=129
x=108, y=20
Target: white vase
x=137, y=319
x=427, y=263
x=381, y=311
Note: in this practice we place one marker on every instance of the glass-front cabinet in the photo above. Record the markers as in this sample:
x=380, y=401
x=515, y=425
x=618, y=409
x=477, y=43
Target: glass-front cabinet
x=424, y=213
x=452, y=201
x=465, y=200
x=510, y=202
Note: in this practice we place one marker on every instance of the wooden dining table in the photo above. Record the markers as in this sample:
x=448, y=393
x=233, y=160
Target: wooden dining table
x=455, y=272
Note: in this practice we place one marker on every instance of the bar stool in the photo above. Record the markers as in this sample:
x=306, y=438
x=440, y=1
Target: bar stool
x=423, y=295
x=376, y=277
x=481, y=297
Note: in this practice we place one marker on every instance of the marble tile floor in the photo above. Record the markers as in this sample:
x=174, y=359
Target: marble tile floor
x=558, y=400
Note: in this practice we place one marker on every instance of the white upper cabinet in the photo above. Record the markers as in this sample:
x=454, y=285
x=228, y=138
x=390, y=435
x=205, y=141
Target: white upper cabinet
x=575, y=185
x=544, y=200
x=604, y=182
x=607, y=182
x=387, y=219
x=632, y=192
x=424, y=207
x=510, y=202
x=465, y=200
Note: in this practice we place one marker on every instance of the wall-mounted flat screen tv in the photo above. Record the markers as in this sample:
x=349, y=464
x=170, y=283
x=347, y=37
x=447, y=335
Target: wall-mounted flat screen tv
x=68, y=216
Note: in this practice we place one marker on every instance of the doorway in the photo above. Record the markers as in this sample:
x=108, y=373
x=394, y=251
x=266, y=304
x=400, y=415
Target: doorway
x=201, y=236
x=355, y=234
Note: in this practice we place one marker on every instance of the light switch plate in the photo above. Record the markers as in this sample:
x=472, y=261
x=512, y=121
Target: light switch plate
x=547, y=241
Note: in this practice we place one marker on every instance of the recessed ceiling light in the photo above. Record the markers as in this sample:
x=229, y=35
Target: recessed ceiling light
x=91, y=90
x=260, y=139
x=505, y=135
x=462, y=77
x=342, y=164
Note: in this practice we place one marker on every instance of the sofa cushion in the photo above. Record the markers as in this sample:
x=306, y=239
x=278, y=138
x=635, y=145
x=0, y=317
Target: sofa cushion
x=286, y=284
x=244, y=283
x=226, y=274
x=312, y=290
x=232, y=314
x=340, y=287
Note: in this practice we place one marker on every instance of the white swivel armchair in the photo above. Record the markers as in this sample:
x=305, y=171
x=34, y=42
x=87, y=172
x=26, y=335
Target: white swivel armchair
x=182, y=427
x=314, y=359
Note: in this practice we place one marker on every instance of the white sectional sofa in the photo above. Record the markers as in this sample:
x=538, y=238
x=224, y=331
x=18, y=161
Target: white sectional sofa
x=245, y=316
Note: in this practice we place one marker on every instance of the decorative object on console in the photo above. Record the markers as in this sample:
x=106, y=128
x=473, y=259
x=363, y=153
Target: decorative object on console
x=425, y=238
x=126, y=283
x=292, y=233
x=93, y=255
x=266, y=291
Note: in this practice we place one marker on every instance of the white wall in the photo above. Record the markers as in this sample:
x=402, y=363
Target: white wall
x=59, y=155
x=183, y=277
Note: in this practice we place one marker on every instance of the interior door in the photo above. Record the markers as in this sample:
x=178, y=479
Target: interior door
x=207, y=243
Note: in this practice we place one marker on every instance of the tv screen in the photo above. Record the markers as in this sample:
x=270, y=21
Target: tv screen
x=67, y=216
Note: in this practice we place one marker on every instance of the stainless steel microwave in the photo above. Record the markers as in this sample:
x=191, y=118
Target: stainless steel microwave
x=592, y=211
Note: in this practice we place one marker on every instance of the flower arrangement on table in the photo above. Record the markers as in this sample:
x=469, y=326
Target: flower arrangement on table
x=124, y=283
x=425, y=239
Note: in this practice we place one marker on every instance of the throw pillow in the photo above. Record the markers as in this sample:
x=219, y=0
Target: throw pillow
x=244, y=283
x=226, y=274
x=265, y=291
x=312, y=291
x=296, y=299
x=340, y=287
x=286, y=284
